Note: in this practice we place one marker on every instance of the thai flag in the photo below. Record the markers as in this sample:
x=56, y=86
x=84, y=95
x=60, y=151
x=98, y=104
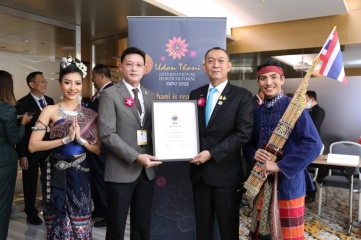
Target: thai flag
x=331, y=56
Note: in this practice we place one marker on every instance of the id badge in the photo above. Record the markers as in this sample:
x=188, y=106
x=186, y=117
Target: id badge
x=142, y=137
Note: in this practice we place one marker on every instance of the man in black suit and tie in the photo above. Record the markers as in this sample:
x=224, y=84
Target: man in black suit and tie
x=225, y=125
x=101, y=78
x=30, y=163
x=317, y=114
x=125, y=127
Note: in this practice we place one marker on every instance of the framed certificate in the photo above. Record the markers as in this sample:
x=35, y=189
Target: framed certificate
x=175, y=130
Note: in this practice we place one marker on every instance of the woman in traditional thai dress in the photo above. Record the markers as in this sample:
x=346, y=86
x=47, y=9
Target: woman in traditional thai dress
x=72, y=129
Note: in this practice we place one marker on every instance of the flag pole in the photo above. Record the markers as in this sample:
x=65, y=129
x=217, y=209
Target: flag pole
x=324, y=45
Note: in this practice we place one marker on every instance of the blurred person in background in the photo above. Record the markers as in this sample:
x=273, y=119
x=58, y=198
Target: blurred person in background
x=101, y=80
x=30, y=163
x=10, y=134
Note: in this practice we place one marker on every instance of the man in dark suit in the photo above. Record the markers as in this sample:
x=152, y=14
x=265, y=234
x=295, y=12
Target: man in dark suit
x=102, y=80
x=125, y=127
x=258, y=99
x=317, y=114
x=225, y=125
x=33, y=103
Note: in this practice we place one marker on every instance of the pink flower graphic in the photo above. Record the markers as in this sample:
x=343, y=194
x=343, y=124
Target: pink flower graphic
x=177, y=47
x=192, y=54
x=161, y=181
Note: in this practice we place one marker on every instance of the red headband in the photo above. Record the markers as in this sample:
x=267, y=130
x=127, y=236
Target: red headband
x=268, y=69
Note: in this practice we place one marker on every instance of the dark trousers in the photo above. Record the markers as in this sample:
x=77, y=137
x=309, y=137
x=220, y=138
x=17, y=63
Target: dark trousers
x=136, y=195
x=30, y=184
x=220, y=202
x=7, y=189
x=99, y=197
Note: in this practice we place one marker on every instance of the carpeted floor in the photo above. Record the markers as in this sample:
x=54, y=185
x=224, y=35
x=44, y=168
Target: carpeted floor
x=331, y=225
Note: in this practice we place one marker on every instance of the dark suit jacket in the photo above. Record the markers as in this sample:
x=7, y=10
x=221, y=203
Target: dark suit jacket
x=229, y=128
x=10, y=134
x=318, y=115
x=28, y=104
x=94, y=103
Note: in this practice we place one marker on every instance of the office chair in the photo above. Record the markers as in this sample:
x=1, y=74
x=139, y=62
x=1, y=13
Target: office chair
x=337, y=181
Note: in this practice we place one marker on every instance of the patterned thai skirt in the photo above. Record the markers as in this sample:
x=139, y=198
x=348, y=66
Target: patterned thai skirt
x=67, y=210
x=275, y=219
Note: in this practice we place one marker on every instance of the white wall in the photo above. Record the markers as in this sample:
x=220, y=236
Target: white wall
x=20, y=65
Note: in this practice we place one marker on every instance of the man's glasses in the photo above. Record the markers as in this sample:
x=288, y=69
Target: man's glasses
x=42, y=81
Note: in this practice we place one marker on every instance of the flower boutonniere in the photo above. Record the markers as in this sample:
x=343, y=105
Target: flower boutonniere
x=221, y=99
x=129, y=102
x=201, y=101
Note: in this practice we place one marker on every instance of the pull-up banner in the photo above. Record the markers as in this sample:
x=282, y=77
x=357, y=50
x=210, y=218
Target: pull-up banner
x=175, y=48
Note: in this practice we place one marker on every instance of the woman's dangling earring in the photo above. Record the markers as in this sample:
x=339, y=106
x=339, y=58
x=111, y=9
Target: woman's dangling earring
x=61, y=96
x=80, y=98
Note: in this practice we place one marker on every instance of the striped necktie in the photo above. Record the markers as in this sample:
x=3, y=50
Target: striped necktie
x=136, y=100
x=42, y=105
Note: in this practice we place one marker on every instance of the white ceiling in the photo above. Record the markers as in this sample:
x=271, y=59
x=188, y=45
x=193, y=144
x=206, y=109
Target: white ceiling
x=105, y=22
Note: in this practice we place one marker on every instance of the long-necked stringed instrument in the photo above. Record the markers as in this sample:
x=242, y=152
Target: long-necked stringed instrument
x=281, y=133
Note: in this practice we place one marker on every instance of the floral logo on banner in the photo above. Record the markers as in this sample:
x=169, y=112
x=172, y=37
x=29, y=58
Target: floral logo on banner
x=177, y=47
x=193, y=54
x=179, y=206
x=156, y=227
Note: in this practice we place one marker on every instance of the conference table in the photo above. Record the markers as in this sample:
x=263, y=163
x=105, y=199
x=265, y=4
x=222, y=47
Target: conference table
x=321, y=161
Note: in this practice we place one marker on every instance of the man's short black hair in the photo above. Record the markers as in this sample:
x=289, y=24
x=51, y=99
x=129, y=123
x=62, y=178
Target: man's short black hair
x=311, y=94
x=132, y=50
x=102, y=69
x=31, y=77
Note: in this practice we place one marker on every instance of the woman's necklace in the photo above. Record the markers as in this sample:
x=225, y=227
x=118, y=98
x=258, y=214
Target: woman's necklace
x=67, y=113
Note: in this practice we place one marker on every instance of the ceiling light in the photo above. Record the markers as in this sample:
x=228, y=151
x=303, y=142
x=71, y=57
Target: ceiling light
x=301, y=66
x=26, y=40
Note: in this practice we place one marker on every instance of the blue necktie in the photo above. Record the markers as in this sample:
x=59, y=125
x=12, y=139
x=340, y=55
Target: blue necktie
x=209, y=104
x=42, y=105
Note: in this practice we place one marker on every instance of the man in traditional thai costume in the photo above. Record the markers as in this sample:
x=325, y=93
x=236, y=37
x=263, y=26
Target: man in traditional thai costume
x=279, y=207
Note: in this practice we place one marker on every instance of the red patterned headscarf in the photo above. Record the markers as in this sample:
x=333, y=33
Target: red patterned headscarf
x=268, y=69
